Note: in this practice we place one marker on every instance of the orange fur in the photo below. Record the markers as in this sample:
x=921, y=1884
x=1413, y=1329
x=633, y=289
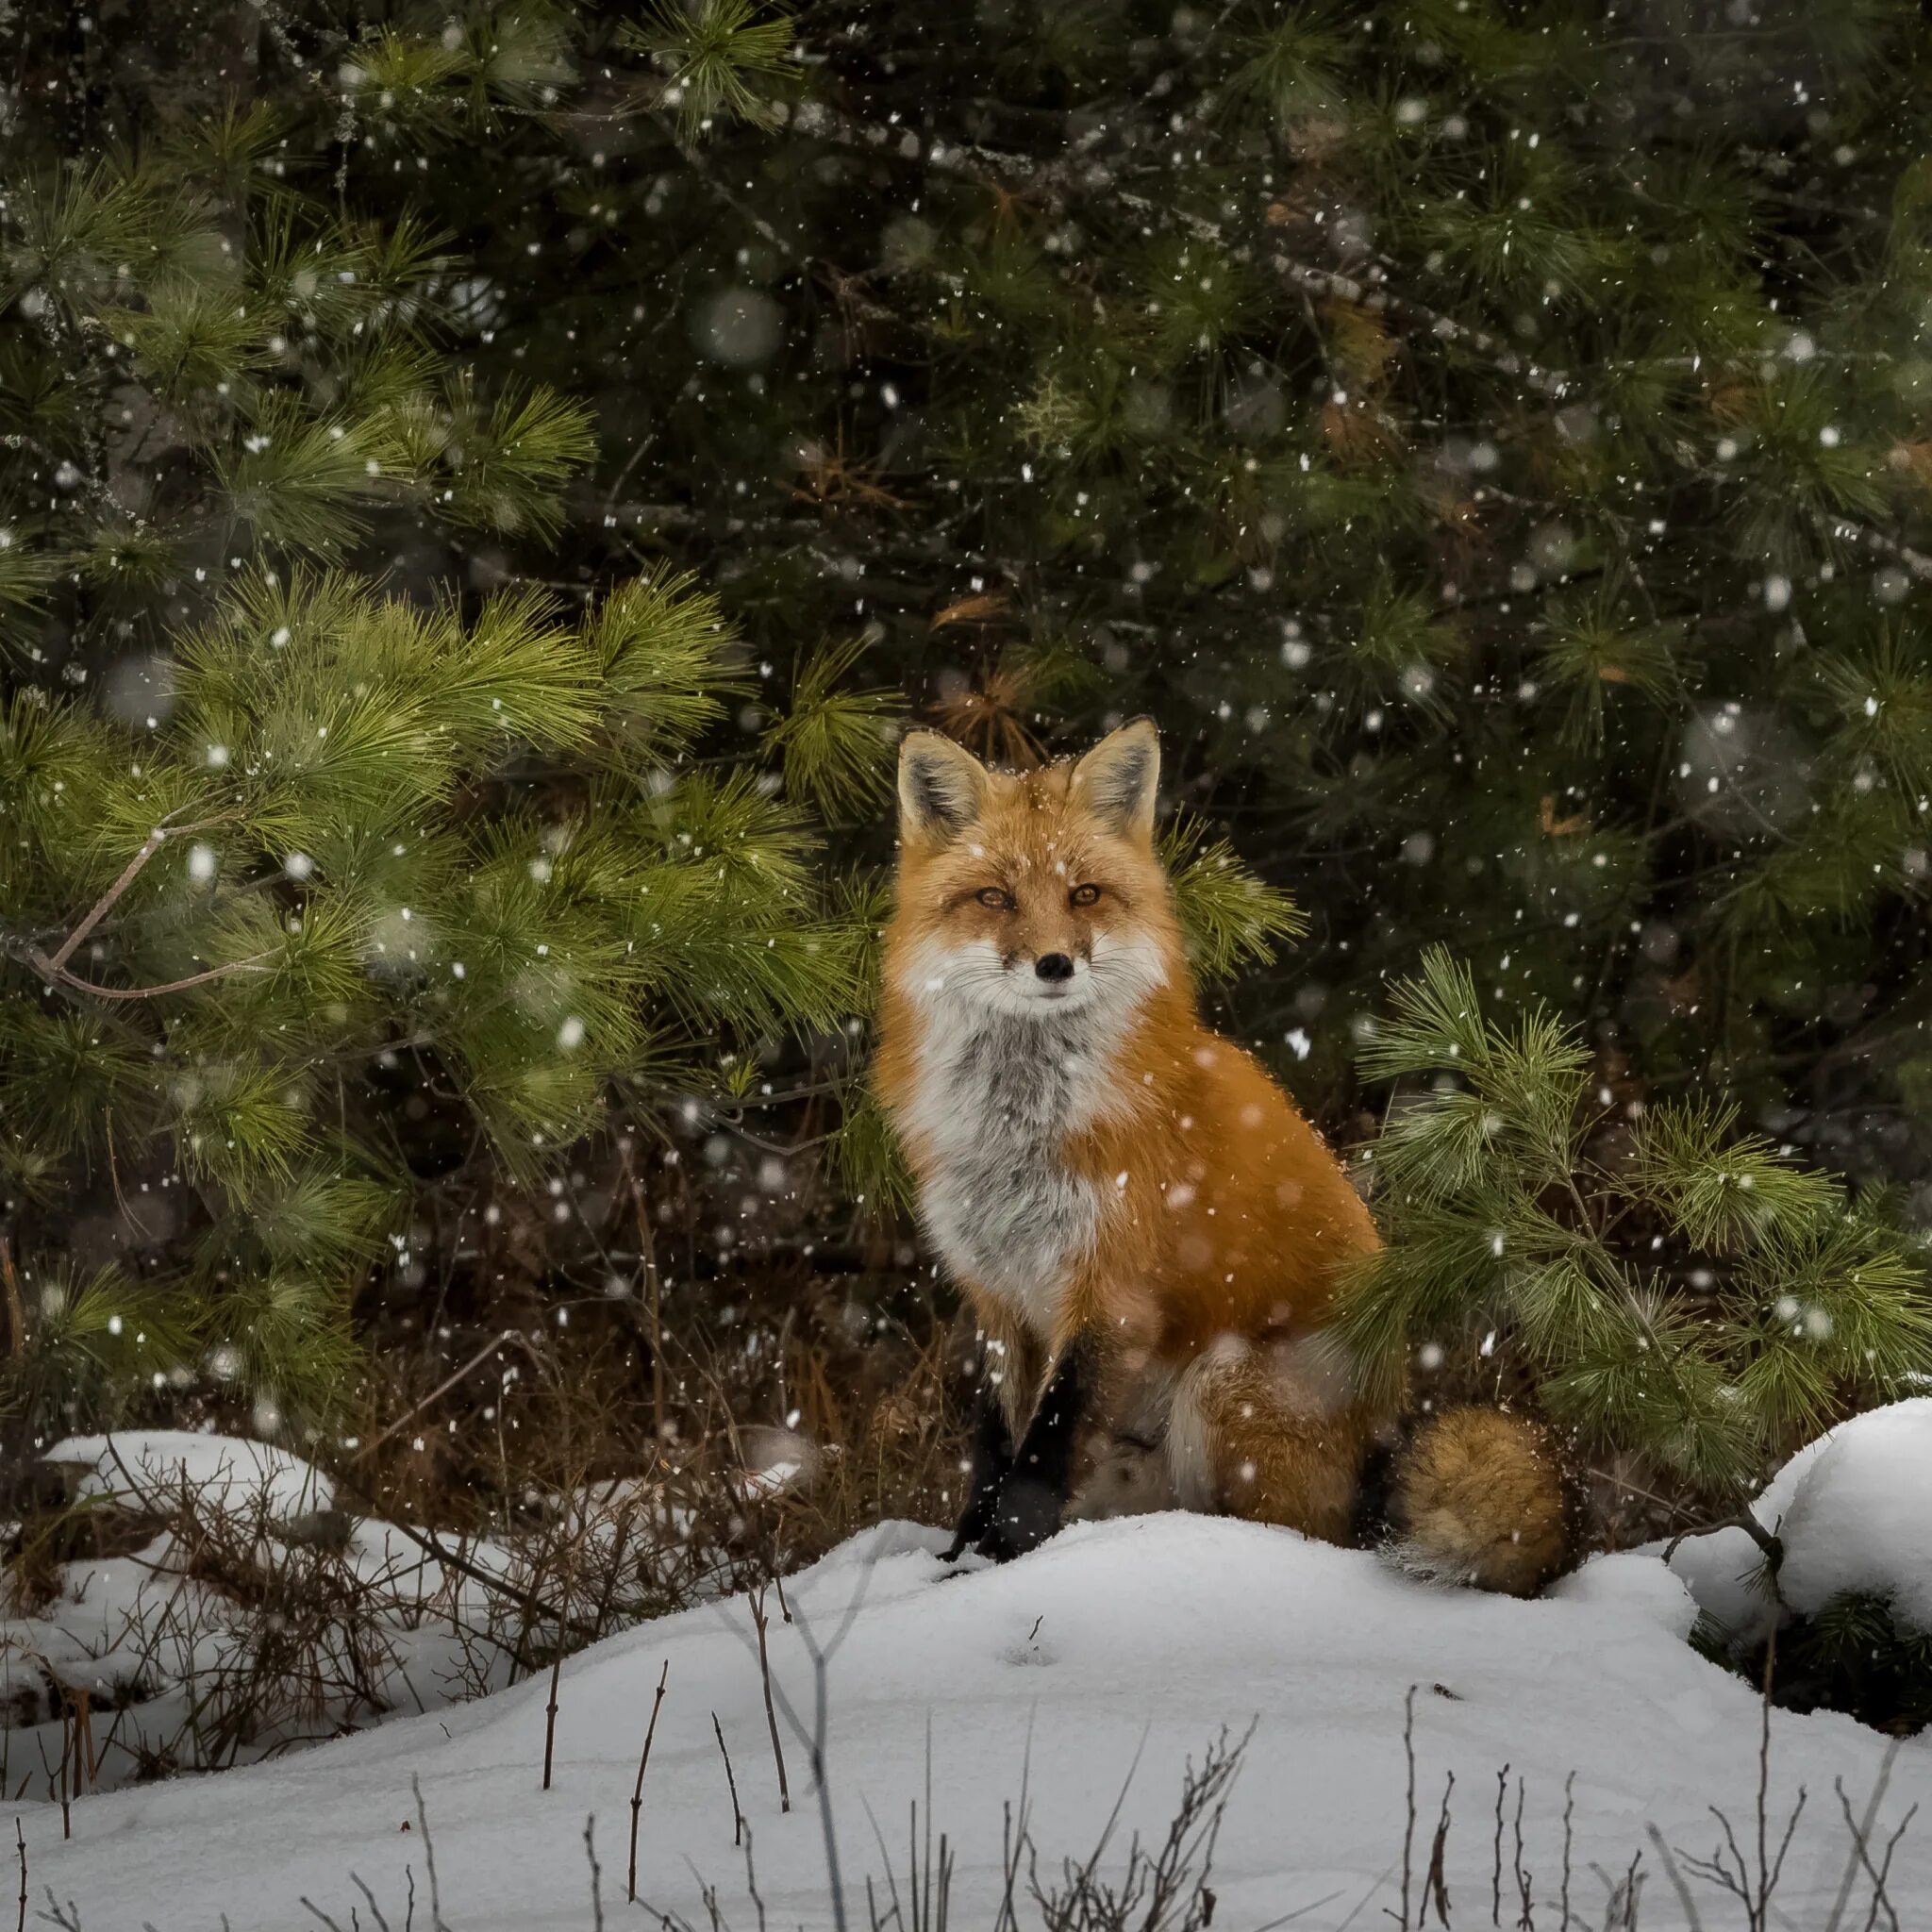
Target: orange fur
x=1175, y=1209
x=1478, y=1499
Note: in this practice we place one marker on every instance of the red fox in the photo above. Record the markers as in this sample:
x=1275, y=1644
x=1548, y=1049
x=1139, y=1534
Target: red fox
x=1148, y=1232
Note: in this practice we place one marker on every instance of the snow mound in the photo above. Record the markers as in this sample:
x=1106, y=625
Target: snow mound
x=1852, y=1511
x=226, y=1472
x=1108, y=1659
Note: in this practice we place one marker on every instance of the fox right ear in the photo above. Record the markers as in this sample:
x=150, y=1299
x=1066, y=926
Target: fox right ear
x=942, y=788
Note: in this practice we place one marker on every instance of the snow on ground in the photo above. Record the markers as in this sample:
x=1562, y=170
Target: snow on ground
x=1852, y=1511
x=225, y=1472
x=1117, y=1650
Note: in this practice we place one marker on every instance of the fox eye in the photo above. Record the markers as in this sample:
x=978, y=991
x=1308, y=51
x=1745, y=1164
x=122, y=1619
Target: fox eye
x=992, y=895
x=1083, y=895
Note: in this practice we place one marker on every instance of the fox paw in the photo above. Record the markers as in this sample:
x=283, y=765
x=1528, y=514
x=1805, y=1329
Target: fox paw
x=1027, y=1514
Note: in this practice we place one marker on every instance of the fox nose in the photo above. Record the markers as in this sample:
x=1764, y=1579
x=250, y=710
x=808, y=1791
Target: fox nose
x=1054, y=966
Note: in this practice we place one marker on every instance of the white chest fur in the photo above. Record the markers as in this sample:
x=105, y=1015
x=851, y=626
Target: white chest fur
x=996, y=1099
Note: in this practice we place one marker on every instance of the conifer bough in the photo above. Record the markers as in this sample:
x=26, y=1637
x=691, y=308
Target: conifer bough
x=1670, y=1286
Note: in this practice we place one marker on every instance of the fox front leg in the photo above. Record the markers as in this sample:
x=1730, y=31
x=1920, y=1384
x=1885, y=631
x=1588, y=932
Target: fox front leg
x=1033, y=1495
x=992, y=1459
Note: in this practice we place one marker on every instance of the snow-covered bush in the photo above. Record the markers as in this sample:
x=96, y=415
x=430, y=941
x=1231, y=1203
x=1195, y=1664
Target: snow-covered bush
x=1825, y=1582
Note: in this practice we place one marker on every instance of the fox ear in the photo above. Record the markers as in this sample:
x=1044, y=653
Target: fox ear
x=1117, y=778
x=942, y=788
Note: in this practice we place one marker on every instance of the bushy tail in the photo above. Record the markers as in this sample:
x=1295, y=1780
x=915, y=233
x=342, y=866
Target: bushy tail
x=1479, y=1497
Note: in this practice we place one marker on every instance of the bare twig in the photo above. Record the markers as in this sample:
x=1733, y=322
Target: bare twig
x=1693, y=1923
x=758, y=1617
x=596, y=1873
x=751, y=1879
x=53, y=968
x=1408, y=1814
x=1496, y=1850
x=437, y=1921
x=1879, y=1873
x=58, y=975
x=648, y=1254
x=16, y=1310
x=731, y=1781
x=1526, y=1919
x=67, y=1749
x=84, y=1758
x=442, y=1389
x=1435, y=1880
x=637, y=1795
x=129, y=872
x=426, y=1539
x=1861, y=1835
x=550, y=1713
x=1569, y=1841
x=376, y=1911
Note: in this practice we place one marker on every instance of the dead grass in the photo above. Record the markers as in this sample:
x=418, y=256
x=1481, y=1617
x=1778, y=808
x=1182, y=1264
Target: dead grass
x=538, y=1502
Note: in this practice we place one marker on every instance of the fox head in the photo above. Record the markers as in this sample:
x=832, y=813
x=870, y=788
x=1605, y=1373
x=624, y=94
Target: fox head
x=1035, y=895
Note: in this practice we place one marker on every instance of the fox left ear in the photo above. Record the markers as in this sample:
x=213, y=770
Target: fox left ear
x=942, y=788
x=1117, y=778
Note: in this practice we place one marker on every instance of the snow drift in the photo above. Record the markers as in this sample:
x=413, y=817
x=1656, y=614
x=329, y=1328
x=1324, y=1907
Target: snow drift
x=1105, y=1660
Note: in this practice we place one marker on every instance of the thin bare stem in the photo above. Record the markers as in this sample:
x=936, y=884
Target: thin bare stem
x=1408, y=1818
x=758, y=1617
x=376, y=1911
x=104, y=903
x=1765, y=1540
x=731, y=1781
x=442, y=1389
x=1861, y=1835
x=596, y=1873
x=550, y=1712
x=60, y=976
x=67, y=1744
x=1436, y=1880
x=637, y=1795
x=437, y=1921
x=1496, y=1852
x=16, y=1309
x=1693, y=1923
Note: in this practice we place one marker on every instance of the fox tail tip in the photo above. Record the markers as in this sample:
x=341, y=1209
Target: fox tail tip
x=1479, y=1498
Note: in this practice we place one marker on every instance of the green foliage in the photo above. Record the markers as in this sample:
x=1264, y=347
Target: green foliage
x=1671, y=1287
x=836, y=742
x=1230, y=918
x=1856, y=1655
x=323, y=762
x=1498, y=457
x=93, y=1349
x=720, y=54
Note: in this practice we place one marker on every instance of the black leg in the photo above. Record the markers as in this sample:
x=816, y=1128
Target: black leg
x=1030, y=1505
x=992, y=1457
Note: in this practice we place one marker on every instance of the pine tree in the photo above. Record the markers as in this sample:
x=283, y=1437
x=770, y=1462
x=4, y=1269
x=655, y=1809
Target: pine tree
x=332, y=879
x=334, y=859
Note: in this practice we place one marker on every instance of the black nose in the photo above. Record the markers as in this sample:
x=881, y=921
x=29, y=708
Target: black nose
x=1054, y=966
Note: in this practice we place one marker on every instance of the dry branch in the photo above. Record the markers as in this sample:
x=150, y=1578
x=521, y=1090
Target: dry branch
x=637, y=1795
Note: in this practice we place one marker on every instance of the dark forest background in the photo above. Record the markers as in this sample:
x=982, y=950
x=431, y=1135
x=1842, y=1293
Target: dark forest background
x=483, y=487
